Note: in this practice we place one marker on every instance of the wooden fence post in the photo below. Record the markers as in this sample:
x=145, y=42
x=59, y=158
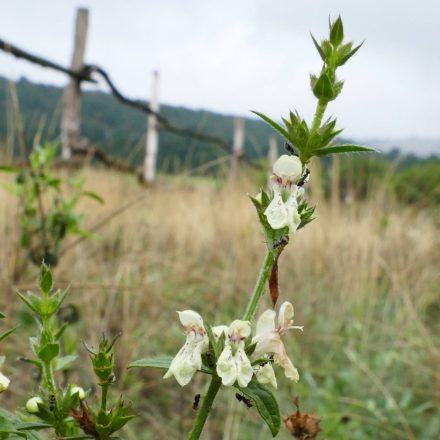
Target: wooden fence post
x=237, y=147
x=152, y=143
x=71, y=117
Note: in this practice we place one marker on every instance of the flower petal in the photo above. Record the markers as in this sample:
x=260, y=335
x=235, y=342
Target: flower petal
x=283, y=361
x=244, y=368
x=266, y=375
x=288, y=167
x=218, y=330
x=188, y=360
x=266, y=322
x=190, y=318
x=285, y=315
x=4, y=383
x=276, y=213
x=226, y=367
x=239, y=329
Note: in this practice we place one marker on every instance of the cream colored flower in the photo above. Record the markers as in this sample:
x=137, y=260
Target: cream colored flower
x=32, y=404
x=233, y=364
x=76, y=389
x=268, y=337
x=280, y=213
x=189, y=358
x=266, y=375
x=287, y=169
x=4, y=383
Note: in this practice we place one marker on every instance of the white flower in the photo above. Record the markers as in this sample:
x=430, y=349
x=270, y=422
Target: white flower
x=233, y=364
x=268, y=337
x=32, y=404
x=4, y=383
x=218, y=330
x=287, y=169
x=282, y=213
x=189, y=358
x=266, y=375
x=76, y=389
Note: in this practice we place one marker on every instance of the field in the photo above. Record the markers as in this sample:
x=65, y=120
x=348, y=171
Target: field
x=363, y=278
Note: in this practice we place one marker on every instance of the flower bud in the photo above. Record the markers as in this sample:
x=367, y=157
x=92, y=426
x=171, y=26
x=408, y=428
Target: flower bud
x=32, y=404
x=4, y=383
x=76, y=389
x=288, y=169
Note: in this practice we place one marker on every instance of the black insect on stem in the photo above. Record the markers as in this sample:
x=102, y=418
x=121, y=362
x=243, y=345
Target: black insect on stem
x=290, y=149
x=304, y=177
x=196, y=402
x=210, y=359
x=243, y=399
x=52, y=402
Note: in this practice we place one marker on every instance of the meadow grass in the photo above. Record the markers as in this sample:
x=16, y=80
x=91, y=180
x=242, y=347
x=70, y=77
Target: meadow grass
x=364, y=279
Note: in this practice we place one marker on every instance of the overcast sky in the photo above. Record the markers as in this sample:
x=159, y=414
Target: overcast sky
x=235, y=55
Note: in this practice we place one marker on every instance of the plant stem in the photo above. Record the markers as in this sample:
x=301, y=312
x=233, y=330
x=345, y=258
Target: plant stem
x=320, y=110
x=104, y=391
x=216, y=382
x=260, y=285
x=205, y=409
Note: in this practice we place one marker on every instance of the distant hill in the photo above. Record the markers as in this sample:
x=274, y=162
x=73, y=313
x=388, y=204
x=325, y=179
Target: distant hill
x=120, y=130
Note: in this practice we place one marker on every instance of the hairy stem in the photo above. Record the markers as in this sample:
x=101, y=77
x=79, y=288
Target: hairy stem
x=319, y=113
x=205, y=409
x=260, y=285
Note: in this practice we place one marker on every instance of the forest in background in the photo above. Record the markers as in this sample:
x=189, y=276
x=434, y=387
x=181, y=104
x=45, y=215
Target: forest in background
x=120, y=131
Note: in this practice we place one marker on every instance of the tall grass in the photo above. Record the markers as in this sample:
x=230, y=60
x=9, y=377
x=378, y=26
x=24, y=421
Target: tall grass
x=364, y=281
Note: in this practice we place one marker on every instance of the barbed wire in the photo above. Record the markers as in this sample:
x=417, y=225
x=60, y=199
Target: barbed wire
x=85, y=74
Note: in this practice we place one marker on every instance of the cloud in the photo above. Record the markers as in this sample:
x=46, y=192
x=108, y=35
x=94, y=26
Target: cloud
x=231, y=56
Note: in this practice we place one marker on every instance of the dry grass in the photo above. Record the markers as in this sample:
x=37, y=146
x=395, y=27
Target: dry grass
x=364, y=280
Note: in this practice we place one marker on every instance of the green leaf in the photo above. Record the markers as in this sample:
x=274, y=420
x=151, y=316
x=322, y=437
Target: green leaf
x=93, y=196
x=212, y=341
x=6, y=333
x=46, y=281
x=32, y=426
x=63, y=363
x=337, y=32
x=343, y=148
x=32, y=301
x=162, y=363
x=265, y=403
x=9, y=169
x=48, y=352
x=323, y=88
x=346, y=57
x=318, y=48
x=2, y=316
x=283, y=132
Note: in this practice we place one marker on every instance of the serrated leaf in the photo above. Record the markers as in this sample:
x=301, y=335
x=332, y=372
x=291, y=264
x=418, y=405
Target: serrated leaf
x=344, y=148
x=277, y=127
x=265, y=403
x=162, y=363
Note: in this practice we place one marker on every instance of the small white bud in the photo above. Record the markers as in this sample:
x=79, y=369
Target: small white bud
x=4, y=383
x=259, y=198
x=288, y=168
x=76, y=389
x=32, y=404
